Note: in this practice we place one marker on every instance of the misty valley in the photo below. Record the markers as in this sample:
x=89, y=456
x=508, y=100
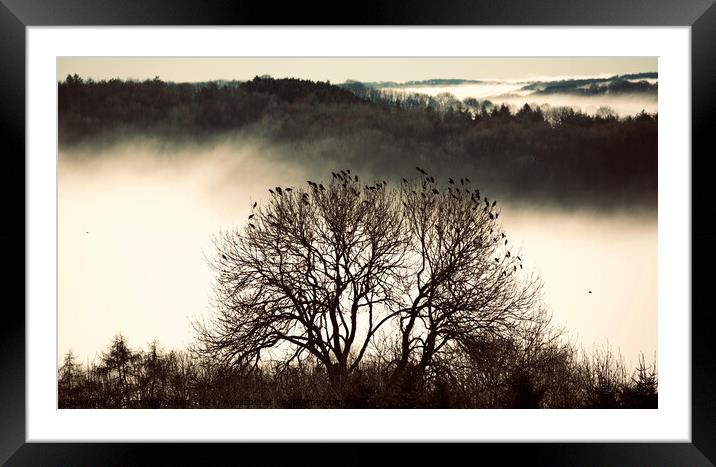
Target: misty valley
x=289, y=243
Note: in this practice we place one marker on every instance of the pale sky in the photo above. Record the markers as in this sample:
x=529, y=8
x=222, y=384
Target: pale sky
x=340, y=69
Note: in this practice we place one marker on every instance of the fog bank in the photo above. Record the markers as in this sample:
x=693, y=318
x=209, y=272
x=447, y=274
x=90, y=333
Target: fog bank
x=136, y=219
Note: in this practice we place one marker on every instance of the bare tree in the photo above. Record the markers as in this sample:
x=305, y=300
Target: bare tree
x=70, y=379
x=465, y=280
x=318, y=271
x=315, y=272
x=152, y=375
x=116, y=368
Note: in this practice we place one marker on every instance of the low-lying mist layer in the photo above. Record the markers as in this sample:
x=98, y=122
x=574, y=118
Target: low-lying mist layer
x=141, y=214
x=623, y=95
x=557, y=156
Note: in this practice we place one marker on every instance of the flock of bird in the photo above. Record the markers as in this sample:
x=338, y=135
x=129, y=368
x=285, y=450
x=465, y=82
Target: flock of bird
x=454, y=190
x=457, y=192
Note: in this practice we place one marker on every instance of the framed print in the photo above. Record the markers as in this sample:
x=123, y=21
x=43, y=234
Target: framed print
x=442, y=225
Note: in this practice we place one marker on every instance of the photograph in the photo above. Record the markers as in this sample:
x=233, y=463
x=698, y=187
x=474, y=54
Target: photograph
x=357, y=232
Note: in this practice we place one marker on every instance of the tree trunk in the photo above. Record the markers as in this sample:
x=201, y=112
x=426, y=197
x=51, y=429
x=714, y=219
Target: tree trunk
x=338, y=377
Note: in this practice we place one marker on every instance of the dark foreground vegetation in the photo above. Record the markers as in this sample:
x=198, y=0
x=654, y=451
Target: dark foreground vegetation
x=534, y=154
x=560, y=377
x=347, y=293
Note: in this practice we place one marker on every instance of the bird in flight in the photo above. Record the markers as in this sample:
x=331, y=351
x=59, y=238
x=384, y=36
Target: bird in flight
x=590, y=291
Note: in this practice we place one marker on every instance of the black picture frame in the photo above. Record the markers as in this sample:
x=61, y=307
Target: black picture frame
x=16, y=15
